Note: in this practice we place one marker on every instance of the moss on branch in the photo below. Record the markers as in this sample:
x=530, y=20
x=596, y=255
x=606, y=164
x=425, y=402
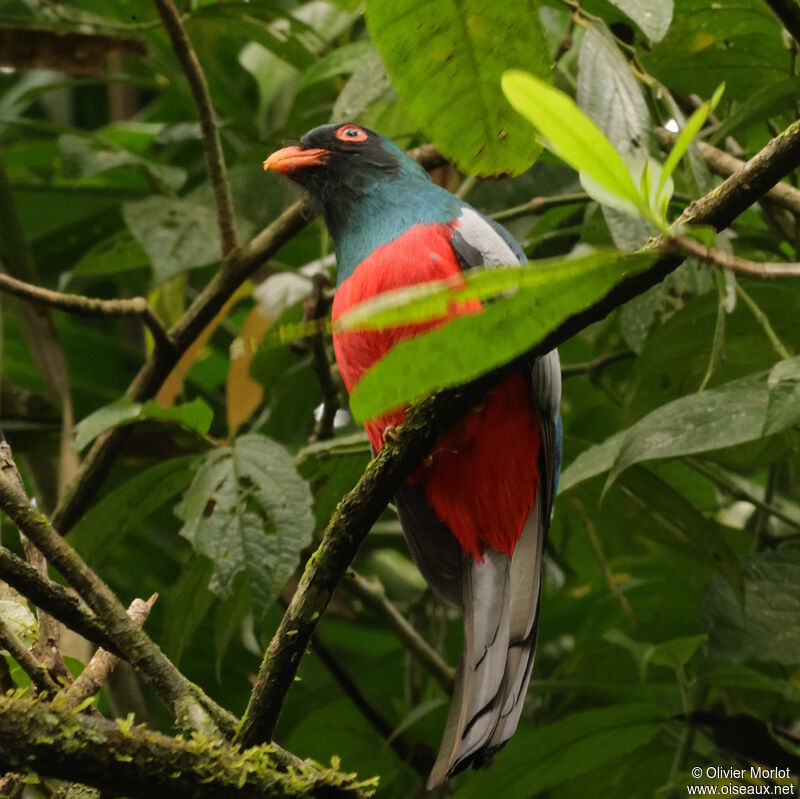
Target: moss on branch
x=38, y=738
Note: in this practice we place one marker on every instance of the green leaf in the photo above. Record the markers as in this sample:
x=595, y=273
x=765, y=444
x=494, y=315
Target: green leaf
x=767, y=628
x=87, y=157
x=677, y=652
x=343, y=60
x=457, y=352
x=687, y=135
x=446, y=66
x=783, y=408
x=738, y=42
x=118, y=252
x=249, y=511
x=129, y=504
x=640, y=651
x=537, y=758
x=187, y=603
x=177, y=235
x=332, y=468
x=365, y=85
x=228, y=619
x=674, y=522
x=729, y=415
x=652, y=16
x=572, y=136
x=195, y=416
x=610, y=94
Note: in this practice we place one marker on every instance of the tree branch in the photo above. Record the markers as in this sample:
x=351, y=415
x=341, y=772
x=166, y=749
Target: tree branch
x=137, y=648
x=429, y=419
x=58, y=601
x=725, y=164
x=788, y=12
x=37, y=671
x=741, y=266
x=141, y=763
x=89, y=307
x=212, y=146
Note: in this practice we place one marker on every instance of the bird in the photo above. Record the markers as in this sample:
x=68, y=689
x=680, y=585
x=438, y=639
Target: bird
x=476, y=512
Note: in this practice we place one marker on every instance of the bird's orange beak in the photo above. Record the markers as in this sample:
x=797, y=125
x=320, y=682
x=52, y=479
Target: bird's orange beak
x=290, y=159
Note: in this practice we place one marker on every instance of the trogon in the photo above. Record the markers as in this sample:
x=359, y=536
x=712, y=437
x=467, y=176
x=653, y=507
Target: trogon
x=476, y=513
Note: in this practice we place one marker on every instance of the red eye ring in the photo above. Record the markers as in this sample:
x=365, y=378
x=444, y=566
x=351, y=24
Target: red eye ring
x=351, y=133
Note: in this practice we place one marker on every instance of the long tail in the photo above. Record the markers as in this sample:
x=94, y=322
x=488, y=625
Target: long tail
x=477, y=696
x=501, y=609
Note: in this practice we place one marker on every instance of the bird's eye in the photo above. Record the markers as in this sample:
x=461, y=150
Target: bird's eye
x=351, y=133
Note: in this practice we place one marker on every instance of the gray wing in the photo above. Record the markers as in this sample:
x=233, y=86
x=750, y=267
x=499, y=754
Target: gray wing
x=499, y=597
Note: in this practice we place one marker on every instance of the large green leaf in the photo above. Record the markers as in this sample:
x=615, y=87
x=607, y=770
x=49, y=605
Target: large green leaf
x=537, y=758
x=732, y=40
x=249, y=511
x=767, y=627
x=471, y=345
x=446, y=65
x=729, y=415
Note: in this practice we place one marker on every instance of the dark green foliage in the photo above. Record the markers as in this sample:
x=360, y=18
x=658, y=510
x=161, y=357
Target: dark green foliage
x=673, y=569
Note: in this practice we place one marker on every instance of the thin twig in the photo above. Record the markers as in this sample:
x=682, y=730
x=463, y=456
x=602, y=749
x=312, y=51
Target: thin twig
x=36, y=670
x=103, y=662
x=597, y=548
x=373, y=595
x=538, y=205
x=725, y=164
x=88, y=306
x=212, y=146
x=315, y=308
x=763, y=321
x=426, y=421
x=596, y=366
x=741, y=266
x=729, y=484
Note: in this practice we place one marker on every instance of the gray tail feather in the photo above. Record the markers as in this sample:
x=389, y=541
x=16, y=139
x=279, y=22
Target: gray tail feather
x=501, y=614
x=526, y=574
x=480, y=682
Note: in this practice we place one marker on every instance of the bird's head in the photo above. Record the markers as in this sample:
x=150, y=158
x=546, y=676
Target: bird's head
x=338, y=163
x=368, y=190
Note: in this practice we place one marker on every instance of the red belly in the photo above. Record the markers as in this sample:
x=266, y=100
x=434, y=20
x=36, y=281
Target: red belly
x=482, y=475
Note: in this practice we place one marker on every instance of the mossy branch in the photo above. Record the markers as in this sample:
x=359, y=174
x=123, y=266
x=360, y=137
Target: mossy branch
x=118, y=757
